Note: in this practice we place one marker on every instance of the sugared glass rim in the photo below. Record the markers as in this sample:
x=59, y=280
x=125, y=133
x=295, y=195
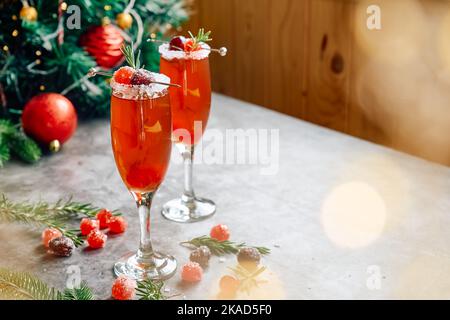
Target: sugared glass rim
x=166, y=53
x=141, y=92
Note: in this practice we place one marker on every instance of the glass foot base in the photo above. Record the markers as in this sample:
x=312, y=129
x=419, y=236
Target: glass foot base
x=161, y=267
x=178, y=211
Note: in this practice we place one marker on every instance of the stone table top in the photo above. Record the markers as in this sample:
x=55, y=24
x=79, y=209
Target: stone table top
x=344, y=218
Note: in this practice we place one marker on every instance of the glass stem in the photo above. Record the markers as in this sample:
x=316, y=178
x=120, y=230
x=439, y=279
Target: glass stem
x=188, y=196
x=145, y=252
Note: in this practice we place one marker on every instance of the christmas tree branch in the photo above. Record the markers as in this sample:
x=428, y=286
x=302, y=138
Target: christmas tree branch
x=43, y=214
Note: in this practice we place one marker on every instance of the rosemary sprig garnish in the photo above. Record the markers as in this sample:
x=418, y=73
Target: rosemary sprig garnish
x=221, y=248
x=150, y=290
x=54, y=215
x=247, y=278
x=202, y=36
x=132, y=60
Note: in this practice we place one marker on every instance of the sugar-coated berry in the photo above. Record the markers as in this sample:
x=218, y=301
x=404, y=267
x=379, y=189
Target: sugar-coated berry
x=61, y=246
x=191, y=272
x=124, y=75
x=142, y=77
x=49, y=234
x=189, y=45
x=103, y=217
x=249, y=258
x=220, y=232
x=117, y=225
x=177, y=43
x=96, y=239
x=87, y=225
x=201, y=255
x=229, y=284
x=124, y=288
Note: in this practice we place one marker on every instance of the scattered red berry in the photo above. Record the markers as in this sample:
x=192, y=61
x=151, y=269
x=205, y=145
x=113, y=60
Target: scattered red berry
x=124, y=75
x=96, y=239
x=177, y=43
x=142, y=77
x=229, y=284
x=123, y=288
x=191, y=272
x=87, y=225
x=49, y=234
x=104, y=216
x=220, y=232
x=117, y=225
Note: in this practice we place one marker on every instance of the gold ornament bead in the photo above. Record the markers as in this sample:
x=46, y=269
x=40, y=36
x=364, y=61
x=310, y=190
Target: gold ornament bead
x=5, y=48
x=64, y=6
x=15, y=33
x=124, y=20
x=107, y=7
x=54, y=146
x=38, y=53
x=28, y=13
x=105, y=21
x=42, y=87
x=14, y=17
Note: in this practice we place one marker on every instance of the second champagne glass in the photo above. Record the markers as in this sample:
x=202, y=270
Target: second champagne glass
x=190, y=111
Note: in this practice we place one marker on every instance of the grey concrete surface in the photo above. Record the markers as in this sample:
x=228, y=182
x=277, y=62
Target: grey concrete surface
x=344, y=218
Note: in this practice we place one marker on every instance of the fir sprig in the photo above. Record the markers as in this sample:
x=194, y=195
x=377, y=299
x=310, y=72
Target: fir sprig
x=201, y=37
x=13, y=141
x=24, y=286
x=48, y=215
x=221, y=248
x=133, y=60
x=247, y=279
x=150, y=290
x=81, y=293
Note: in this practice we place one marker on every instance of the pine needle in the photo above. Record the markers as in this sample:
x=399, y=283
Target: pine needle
x=150, y=290
x=132, y=60
x=221, y=248
x=43, y=214
x=81, y=293
x=24, y=286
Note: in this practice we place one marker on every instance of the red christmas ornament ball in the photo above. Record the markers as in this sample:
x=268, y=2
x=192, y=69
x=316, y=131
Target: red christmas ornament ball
x=48, y=117
x=104, y=43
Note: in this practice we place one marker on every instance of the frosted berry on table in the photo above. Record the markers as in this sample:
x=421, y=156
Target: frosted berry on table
x=191, y=272
x=117, y=225
x=103, y=217
x=124, y=288
x=49, y=234
x=96, y=239
x=87, y=225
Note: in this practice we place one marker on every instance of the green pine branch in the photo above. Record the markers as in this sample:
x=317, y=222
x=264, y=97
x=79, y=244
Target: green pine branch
x=25, y=286
x=150, y=290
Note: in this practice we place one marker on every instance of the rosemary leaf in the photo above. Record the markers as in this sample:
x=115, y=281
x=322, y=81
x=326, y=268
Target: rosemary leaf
x=221, y=248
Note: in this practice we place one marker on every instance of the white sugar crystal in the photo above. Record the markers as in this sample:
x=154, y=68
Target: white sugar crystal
x=222, y=260
x=139, y=92
x=168, y=54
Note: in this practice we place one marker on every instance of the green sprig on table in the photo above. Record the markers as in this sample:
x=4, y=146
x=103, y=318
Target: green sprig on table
x=221, y=248
x=25, y=286
x=44, y=214
x=150, y=290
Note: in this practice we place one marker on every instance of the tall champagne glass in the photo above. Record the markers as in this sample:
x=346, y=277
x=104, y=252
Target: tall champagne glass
x=141, y=141
x=190, y=111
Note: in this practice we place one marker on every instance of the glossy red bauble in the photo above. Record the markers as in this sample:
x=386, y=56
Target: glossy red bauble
x=48, y=117
x=104, y=43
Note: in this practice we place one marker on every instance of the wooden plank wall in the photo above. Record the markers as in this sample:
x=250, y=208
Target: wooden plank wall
x=317, y=60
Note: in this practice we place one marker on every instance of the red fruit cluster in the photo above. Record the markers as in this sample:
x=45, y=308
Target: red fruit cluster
x=191, y=272
x=104, y=219
x=180, y=43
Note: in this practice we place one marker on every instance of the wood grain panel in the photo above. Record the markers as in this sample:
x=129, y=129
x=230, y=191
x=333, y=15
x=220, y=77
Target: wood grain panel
x=305, y=58
x=329, y=63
